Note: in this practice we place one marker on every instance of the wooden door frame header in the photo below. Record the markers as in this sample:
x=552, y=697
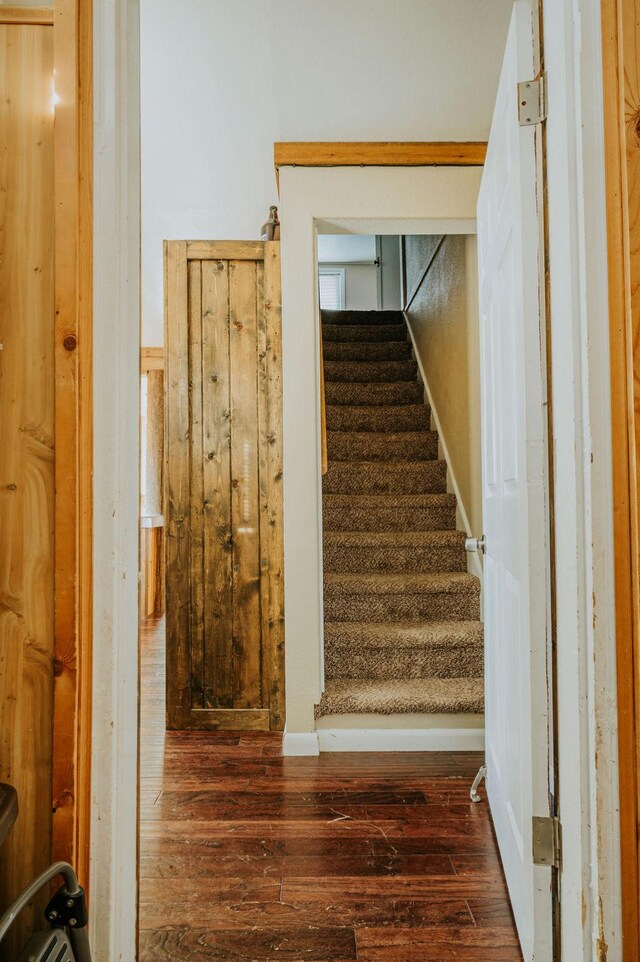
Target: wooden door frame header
x=378, y=154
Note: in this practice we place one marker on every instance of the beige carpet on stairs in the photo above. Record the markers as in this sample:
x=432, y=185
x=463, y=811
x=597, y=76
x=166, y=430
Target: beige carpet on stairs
x=402, y=628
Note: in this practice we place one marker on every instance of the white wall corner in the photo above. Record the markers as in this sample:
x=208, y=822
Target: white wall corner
x=300, y=743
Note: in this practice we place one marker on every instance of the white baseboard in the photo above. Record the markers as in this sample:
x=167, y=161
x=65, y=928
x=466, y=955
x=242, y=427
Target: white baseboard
x=399, y=740
x=300, y=743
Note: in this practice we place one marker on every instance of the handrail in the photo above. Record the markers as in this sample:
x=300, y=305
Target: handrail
x=425, y=272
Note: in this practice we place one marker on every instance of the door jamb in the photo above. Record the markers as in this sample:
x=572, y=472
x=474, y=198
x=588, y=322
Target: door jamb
x=623, y=238
x=73, y=162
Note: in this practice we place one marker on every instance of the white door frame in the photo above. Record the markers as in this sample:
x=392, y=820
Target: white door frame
x=580, y=377
x=365, y=200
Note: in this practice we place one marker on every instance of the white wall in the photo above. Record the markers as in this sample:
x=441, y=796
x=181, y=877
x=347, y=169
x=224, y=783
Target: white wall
x=223, y=79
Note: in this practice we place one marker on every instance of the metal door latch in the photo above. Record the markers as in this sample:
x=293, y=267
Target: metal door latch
x=475, y=544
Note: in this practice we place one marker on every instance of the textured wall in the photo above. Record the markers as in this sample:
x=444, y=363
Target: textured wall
x=444, y=320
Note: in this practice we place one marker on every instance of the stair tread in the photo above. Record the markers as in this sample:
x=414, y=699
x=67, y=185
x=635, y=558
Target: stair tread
x=407, y=634
x=366, y=372
x=403, y=696
x=393, y=500
x=364, y=333
x=405, y=582
x=373, y=538
x=387, y=435
x=372, y=393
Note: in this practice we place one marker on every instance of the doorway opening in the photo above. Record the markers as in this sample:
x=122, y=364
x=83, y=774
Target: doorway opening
x=402, y=491
x=216, y=786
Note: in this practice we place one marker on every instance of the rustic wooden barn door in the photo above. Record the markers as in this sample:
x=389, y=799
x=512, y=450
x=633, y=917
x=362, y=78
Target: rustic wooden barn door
x=224, y=588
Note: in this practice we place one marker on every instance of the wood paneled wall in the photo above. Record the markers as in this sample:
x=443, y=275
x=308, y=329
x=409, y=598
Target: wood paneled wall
x=26, y=452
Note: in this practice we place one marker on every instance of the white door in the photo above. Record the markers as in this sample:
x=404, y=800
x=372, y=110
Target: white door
x=513, y=445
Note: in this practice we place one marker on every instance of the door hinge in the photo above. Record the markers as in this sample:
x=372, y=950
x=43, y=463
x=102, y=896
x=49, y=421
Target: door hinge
x=547, y=841
x=532, y=102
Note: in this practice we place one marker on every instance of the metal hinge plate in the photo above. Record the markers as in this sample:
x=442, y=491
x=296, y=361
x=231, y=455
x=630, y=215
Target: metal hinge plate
x=547, y=841
x=532, y=107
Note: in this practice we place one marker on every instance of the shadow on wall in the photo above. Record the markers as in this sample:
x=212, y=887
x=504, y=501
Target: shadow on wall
x=443, y=316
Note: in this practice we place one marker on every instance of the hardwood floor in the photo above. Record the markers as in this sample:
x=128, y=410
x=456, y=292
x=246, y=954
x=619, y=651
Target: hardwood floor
x=246, y=856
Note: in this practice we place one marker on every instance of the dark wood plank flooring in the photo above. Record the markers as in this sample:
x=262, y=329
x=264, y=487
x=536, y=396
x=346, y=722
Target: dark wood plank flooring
x=252, y=857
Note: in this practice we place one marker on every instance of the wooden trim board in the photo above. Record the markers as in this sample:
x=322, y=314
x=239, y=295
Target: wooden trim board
x=621, y=79
x=151, y=359
x=36, y=16
x=73, y=58
x=379, y=154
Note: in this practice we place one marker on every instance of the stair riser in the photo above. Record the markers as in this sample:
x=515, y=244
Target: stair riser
x=404, y=392
x=349, y=559
x=352, y=518
x=367, y=372
x=429, y=477
x=368, y=351
x=362, y=418
x=429, y=606
x=363, y=333
x=364, y=318
x=408, y=663
x=351, y=447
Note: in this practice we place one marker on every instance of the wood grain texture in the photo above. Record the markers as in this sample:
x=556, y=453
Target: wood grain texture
x=36, y=16
x=151, y=359
x=26, y=455
x=231, y=644
x=177, y=485
x=73, y=63
x=218, y=535
x=245, y=532
x=245, y=854
x=225, y=250
x=271, y=499
x=379, y=154
x=621, y=74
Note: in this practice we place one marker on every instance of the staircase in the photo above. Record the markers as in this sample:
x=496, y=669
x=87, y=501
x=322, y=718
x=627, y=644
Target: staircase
x=402, y=628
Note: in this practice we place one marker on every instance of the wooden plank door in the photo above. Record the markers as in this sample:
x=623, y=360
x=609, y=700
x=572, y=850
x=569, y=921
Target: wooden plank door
x=223, y=486
x=26, y=456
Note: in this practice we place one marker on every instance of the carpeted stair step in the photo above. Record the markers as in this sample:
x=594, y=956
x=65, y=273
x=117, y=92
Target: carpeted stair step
x=361, y=417
x=442, y=596
x=366, y=372
x=369, y=318
x=402, y=696
x=382, y=446
x=354, y=394
x=363, y=333
x=380, y=551
x=372, y=351
x=385, y=477
x=427, y=649
x=393, y=512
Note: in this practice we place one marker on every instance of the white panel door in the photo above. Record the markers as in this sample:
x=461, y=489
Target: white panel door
x=515, y=593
